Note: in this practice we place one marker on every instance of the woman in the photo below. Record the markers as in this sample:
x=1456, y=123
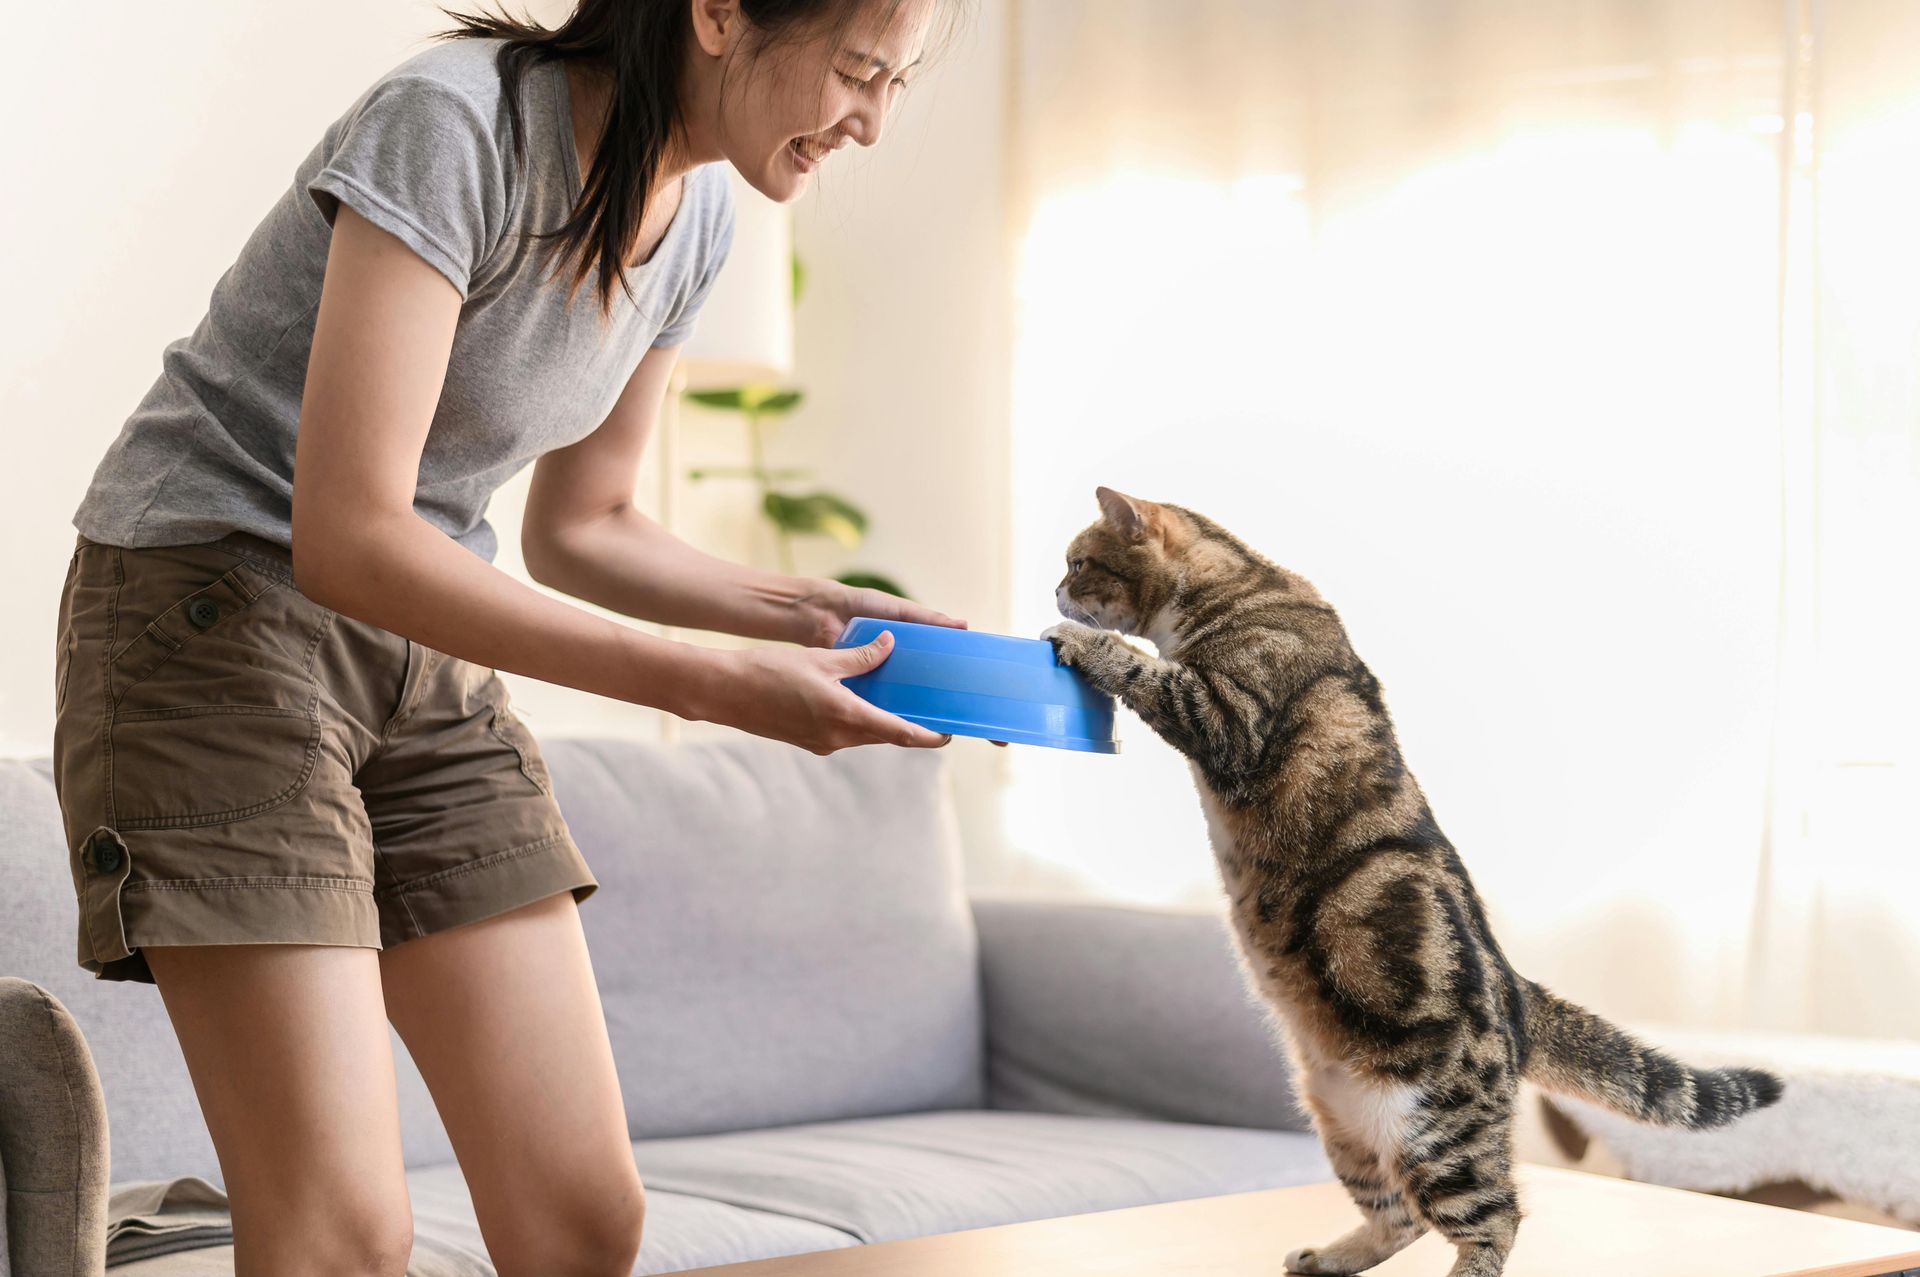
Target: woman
x=297, y=799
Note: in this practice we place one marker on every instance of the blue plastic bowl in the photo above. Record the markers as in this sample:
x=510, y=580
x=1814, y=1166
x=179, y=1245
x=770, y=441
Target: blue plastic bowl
x=993, y=686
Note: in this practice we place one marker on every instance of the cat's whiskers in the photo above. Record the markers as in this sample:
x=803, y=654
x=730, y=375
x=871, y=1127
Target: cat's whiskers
x=1082, y=616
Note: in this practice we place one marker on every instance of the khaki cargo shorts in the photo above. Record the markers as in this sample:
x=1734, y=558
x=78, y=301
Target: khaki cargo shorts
x=238, y=765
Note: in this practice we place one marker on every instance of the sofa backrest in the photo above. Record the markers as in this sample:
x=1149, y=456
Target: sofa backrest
x=778, y=938
x=784, y=937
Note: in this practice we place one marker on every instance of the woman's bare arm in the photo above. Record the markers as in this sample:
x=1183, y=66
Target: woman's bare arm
x=582, y=534
x=379, y=356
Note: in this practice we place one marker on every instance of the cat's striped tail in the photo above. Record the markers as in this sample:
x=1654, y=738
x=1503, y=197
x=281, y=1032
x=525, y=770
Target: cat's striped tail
x=1577, y=1053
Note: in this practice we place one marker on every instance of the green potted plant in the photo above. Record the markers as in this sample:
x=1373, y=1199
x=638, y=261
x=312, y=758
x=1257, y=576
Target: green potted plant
x=792, y=514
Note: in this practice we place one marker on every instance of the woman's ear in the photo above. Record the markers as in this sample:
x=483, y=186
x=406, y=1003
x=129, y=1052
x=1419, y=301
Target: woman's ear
x=716, y=25
x=1130, y=518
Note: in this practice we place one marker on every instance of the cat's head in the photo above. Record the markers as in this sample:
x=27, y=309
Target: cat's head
x=1142, y=563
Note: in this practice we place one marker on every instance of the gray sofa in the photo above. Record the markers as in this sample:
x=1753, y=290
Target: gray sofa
x=822, y=1040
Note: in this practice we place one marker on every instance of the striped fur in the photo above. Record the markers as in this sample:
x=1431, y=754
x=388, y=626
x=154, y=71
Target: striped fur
x=1406, y=1028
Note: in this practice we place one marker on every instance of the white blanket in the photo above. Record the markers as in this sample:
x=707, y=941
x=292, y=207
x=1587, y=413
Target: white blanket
x=1848, y=1122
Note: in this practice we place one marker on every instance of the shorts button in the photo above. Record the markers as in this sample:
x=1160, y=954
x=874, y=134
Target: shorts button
x=203, y=612
x=106, y=853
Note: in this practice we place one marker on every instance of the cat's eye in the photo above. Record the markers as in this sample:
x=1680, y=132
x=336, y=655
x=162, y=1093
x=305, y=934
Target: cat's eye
x=1073, y=566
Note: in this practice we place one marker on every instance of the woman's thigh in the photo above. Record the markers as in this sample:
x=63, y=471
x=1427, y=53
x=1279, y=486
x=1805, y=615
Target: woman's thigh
x=504, y=1020
x=288, y=1049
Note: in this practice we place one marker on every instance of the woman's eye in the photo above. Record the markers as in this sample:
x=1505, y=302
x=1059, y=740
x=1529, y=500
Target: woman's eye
x=851, y=81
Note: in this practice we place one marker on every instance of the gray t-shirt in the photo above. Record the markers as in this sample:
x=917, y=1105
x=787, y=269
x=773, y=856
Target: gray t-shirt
x=426, y=154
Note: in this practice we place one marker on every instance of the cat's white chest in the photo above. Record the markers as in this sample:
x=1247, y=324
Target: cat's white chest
x=1377, y=1115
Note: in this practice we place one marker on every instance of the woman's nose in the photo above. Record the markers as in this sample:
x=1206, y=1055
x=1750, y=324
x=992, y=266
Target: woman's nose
x=867, y=123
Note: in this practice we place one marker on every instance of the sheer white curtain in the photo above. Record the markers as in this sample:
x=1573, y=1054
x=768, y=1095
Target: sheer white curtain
x=1573, y=349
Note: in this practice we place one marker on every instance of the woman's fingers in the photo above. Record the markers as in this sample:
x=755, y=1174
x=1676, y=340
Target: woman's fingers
x=891, y=729
x=846, y=662
x=874, y=724
x=888, y=607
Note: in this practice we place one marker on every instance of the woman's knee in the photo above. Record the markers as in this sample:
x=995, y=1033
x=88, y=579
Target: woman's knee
x=383, y=1246
x=597, y=1235
x=620, y=1230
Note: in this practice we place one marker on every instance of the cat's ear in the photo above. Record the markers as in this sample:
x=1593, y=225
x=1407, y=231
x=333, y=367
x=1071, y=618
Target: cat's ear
x=1130, y=518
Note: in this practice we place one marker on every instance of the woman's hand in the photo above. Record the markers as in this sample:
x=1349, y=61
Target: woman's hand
x=827, y=606
x=795, y=695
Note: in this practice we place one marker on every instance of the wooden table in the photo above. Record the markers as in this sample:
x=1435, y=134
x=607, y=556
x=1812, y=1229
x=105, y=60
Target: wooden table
x=1576, y=1225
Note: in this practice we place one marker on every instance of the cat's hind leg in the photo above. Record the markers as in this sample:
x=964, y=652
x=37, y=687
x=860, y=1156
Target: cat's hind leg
x=1390, y=1225
x=1462, y=1186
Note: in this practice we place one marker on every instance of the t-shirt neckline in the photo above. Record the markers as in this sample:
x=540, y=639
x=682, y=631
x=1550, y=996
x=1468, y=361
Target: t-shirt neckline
x=563, y=112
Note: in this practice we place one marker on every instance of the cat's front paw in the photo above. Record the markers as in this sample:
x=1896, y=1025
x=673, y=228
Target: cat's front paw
x=1071, y=640
x=1307, y=1260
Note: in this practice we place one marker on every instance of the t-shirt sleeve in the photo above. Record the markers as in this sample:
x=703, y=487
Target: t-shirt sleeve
x=418, y=160
x=680, y=326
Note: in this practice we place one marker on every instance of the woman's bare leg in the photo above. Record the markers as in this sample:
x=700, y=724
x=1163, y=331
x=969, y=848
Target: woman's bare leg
x=288, y=1049
x=504, y=1019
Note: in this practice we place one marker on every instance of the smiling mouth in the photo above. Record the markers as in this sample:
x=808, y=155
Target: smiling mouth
x=810, y=150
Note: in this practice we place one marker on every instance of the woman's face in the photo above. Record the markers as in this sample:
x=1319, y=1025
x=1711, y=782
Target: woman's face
x=782, y=114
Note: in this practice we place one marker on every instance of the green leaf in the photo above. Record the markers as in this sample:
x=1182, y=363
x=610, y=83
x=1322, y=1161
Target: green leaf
x=753, y=397
x=766, y=400
x=774, y=405
x=872, y=581
x=799, y=277
x=819, y=513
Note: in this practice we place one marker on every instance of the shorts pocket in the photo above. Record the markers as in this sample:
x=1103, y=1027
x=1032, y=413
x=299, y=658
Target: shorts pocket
x=62, y=667
x=218, y=603
x=64, y=645
x=216, y=711
x=507, y=727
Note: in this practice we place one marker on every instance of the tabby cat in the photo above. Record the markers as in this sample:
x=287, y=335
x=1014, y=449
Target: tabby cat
x=1406, y=1028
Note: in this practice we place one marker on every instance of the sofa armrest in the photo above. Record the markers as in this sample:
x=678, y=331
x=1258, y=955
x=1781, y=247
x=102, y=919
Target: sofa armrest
x=1115, y=1011
x=53, y=1137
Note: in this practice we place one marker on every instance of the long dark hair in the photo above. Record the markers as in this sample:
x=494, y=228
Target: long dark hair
x=641, y=46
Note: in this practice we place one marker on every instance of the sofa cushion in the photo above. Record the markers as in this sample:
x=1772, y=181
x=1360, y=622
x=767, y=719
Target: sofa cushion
x=721, y=1199
x=778, y=937
x=881, y=1179
x=1114, y=1011
x=681, y=1231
